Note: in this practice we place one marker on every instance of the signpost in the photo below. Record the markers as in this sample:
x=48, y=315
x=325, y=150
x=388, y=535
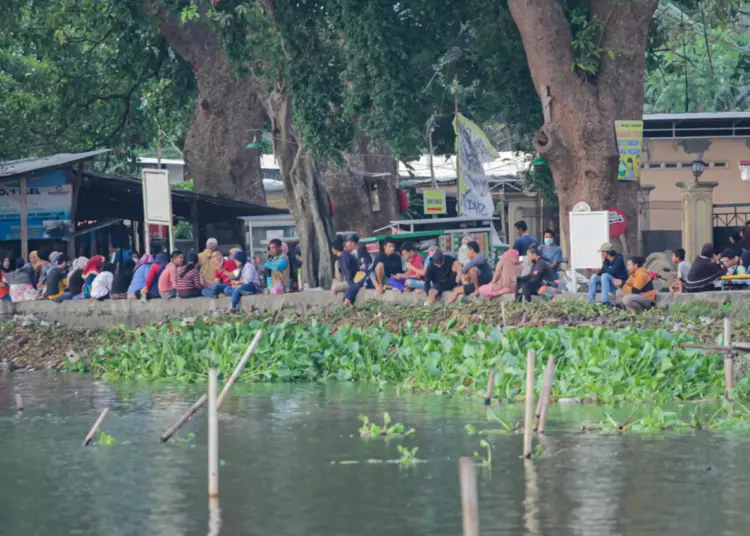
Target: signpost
x=434, y=202
x=157, y=202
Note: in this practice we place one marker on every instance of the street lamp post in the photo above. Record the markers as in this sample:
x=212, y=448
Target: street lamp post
x=698, y=167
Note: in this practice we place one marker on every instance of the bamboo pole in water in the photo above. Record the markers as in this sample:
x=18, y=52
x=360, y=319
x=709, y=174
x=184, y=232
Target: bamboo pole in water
x=213, y=437
x=539, y=402
x=469, y=503
x=728, y=359
x=202, y=400
x=94, y=428
x=239, y=367
x=490, y=388
x=549, y=377
x=185, y=418
x=529, y=417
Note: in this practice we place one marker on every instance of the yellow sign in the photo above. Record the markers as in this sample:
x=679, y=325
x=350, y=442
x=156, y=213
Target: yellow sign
x=629, y=143
x=434, y=202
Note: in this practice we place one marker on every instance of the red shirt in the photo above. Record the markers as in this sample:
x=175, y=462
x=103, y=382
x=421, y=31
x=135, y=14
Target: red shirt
x=416, y=262
x=229, y=266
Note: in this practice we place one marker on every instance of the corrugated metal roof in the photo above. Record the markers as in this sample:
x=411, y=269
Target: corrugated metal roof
x=698, y=116
x=28, y=165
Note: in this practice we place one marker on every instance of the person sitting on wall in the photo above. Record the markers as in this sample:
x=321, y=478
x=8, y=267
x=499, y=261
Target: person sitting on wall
x=613, y=267
x=102, y=285
x=348, y=268
x=207, y=262
x=507, y=272
x=732, y=266
x=225, y=274
x=387, y=264
x=57, y=284
x=637, y=293
x=441, y=275
x=683, y=269
x=706, y=271
x=417, y=284
x=167, y=278
x=247, y=283
x=189, y=281
x=550, y=252
x=540, y=275
x=474, y=274
x=414, y=263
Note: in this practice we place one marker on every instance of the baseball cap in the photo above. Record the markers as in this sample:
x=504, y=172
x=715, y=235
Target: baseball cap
x=438, y=257
x=606, y=247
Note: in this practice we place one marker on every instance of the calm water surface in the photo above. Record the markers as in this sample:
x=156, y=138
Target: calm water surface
x=278, y=444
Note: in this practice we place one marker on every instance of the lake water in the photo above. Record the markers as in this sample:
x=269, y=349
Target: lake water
x=278, y=443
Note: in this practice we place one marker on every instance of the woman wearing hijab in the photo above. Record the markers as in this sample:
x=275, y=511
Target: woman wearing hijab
x=123, y=275
x=503, y=281
x=151, y=290
x=40, y=266
x=138, y=283
x=75, y=278
x=4, y=287
x=92, y=269
x=189, y=281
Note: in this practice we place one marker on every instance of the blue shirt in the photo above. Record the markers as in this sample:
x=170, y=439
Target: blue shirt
x=522, y=243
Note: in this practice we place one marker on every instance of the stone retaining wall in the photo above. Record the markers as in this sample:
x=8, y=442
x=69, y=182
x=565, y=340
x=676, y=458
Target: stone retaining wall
x=87, y=315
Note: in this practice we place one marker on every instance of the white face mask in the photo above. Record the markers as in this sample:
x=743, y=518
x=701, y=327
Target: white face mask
x=549, y=241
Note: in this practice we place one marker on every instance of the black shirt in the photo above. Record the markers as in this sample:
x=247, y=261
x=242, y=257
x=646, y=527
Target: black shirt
x=55, y=278
x=616, y=268
x=540, y=272
x=391, y=264
x=440, y=278
x=75, y=282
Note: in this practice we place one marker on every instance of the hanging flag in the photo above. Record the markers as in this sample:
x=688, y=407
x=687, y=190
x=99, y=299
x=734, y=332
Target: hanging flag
x=473, y=150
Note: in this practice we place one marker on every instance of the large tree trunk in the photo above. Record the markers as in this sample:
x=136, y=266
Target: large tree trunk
x=578, y=140
x=304, y=192
x=368, y=171
x=228, y=114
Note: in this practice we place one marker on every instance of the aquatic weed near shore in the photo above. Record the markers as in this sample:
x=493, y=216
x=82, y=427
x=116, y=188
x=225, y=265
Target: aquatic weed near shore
x=593, y=363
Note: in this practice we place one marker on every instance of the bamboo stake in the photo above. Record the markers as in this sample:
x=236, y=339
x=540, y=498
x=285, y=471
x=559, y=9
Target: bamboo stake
x=94, y=428
x=502, y=312
x=213, y=437
x=549, y=377
x=728, y=360
x=214, y=517
x=239, y=367
x=469, y=504
x=185, y=418
x=538, y=411
x=202, y=400
x=490, y=387
x=19, y=402
x=529, y=417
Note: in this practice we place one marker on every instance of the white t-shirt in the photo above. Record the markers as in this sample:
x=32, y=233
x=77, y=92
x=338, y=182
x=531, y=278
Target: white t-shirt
x=102, y=285
x=683, y=269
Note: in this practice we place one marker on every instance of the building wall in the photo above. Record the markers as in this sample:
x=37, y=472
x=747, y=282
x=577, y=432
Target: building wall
x=669, y=162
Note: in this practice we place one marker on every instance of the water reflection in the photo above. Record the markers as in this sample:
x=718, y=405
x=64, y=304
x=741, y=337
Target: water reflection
x=278, y=442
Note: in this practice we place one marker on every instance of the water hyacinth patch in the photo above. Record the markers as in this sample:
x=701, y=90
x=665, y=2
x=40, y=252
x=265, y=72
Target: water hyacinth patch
x=593, y=363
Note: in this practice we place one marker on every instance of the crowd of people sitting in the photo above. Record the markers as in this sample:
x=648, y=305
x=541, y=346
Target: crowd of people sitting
x=128, y=275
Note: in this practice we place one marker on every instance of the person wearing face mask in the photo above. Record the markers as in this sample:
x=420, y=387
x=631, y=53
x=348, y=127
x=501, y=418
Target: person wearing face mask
x=550, y=252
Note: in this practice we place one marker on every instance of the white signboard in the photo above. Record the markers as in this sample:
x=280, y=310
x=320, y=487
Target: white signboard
x=157, y=196
x=588, y=231
x=157, y=201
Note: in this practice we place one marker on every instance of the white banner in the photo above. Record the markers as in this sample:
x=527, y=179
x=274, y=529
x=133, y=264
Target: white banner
x=474, y=150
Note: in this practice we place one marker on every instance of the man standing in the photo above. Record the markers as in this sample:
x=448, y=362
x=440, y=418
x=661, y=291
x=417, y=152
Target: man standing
x=441, y=275
x=278, y=264
x=524, y=239
x=387, y=264
x=207, y=263
x=348, y=267
x=475, y=273
x=613, y=267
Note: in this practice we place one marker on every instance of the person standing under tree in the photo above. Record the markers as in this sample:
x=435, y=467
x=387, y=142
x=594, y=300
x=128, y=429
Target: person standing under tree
x=278, y=264
x=524, y=239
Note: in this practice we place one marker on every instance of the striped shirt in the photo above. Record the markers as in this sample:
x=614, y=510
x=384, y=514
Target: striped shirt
x=192, y=280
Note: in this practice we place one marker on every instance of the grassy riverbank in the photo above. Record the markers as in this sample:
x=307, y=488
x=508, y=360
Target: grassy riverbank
x=604, y=355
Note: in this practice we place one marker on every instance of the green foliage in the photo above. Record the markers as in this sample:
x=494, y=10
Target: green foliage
x=587, y=34
x=484, y=461
x=407, y=456
x=370, y=430
x=184, y=185
x=593, y=363
x=78, y=75
x=538, y=178
x=105, y=440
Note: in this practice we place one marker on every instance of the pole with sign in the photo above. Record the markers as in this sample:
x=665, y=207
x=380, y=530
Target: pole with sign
x=157, y=203
x=434, y=202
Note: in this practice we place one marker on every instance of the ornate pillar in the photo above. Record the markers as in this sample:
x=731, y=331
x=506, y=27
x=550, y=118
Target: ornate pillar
x=523, y=206
x=697, y=215
x=644, y=213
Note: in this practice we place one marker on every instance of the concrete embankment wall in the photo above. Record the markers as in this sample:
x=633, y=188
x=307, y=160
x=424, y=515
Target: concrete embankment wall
x=85, y=315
